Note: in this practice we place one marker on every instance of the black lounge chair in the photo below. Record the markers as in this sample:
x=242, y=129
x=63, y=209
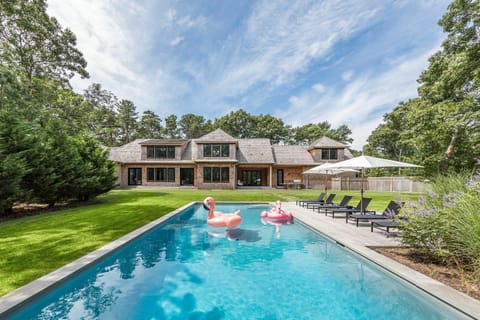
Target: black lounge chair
x=390, y=211
x=361, y=207
x=385, y=225
x=329, y=200
x=342, y=204
x=303, y=202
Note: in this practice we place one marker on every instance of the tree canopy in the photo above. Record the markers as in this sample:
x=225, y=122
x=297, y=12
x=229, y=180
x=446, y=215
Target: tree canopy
x=440, y=128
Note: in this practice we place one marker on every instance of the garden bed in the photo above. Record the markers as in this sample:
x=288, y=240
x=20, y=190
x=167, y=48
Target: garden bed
x=419, y=261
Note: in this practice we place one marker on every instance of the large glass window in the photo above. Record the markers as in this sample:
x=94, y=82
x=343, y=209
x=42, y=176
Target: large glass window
x=216, y=150
x=216, y=174
x=134, y=176
x=329, y=154
x=160, y=152
x=161, y=174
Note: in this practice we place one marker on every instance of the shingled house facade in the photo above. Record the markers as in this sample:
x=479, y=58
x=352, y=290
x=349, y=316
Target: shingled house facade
x=219, y=161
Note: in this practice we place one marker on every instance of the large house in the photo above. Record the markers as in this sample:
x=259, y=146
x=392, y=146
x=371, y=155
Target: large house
x=219, y=161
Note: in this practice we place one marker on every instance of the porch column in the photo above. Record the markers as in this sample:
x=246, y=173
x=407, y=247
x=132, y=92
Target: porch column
x=271, y=171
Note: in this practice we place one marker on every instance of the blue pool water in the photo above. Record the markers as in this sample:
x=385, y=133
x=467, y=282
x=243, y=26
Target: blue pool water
x=185, y=269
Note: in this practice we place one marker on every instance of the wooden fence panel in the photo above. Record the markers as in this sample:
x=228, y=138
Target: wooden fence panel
x=392, y=184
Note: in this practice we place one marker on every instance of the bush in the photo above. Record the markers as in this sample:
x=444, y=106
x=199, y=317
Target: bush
x=446, y=223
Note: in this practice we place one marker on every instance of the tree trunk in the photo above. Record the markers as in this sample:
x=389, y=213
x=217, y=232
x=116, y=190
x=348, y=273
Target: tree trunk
x=450, y=152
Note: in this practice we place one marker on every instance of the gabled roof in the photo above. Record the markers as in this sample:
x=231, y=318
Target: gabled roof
x=217, y=136
x=292, y=155
x=255, y=151
x=326, y=142
x=130, y=152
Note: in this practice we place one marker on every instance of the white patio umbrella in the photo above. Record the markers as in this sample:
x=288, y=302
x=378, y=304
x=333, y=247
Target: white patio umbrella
x=323, y=170
x=367, y=162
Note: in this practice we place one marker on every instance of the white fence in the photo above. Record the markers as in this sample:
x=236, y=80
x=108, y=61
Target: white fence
x=393, y=184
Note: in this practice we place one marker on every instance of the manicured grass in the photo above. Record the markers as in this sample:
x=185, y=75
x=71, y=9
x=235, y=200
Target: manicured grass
x=33, y=246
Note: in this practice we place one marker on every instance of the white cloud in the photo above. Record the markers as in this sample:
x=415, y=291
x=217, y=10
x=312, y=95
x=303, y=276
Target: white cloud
x=176, y=41
x=318, y=87
x=283, y=38
x=347, y=75
x=115, y=38
x=133, y=48
x=362, y=103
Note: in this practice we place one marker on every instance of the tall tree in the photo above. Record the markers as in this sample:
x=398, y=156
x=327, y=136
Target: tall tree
x=342, y=134
x=36, y=43
x=308, y=133
x=15, y=143
x=267, y=126
x=390, y=138
x=451, y=83
x=238, y=124
x=150, y=126
x=192, y=126
x=104, y=104
x=127, y=118
x=171, y=129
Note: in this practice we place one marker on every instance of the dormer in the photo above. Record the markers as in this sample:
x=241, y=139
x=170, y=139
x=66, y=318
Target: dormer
x=163, y=149
x=326, y=149
x=215, y=146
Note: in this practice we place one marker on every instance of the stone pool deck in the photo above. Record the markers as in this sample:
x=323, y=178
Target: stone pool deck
x=360, y=239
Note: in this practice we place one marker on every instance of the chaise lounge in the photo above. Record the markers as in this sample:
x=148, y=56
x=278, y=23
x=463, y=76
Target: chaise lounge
x=361, y=207
x=329, y=200
x=385, y=225
x=342, y=204
x=302, y=202
x=392, y=209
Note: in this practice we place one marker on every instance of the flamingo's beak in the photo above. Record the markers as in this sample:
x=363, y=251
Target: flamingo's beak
x=206, y=203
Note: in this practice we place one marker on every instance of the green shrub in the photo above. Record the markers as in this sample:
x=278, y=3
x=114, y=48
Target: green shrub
x=446, y=223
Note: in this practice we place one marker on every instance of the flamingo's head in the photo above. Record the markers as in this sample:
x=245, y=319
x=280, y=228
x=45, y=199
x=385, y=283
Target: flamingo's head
x=208, y=203
x=278, y=204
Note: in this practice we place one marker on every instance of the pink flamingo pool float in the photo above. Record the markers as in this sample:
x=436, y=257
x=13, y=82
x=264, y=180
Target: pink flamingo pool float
x=219, y=219
x=277, y=214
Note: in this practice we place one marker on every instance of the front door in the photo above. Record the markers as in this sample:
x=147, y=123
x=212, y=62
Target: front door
x=134, y=176
x=280, y=177
x=186, y=176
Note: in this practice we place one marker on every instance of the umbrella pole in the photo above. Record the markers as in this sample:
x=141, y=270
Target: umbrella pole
x=326, y=183
x=361, y=193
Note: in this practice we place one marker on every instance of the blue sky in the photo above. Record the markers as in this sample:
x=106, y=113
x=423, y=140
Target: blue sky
x=345, y=62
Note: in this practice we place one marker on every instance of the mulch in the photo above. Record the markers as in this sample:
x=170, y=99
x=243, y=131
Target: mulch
x=449, y=275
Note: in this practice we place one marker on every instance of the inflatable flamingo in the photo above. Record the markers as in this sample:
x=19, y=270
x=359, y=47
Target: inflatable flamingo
x=277, y=214
x=219, y=219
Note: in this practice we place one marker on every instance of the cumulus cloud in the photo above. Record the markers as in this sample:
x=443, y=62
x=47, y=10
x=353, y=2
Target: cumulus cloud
x=283, y=38
x=180, y=57
x=361, y=103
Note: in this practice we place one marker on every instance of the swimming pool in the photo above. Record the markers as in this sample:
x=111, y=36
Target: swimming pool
x=184, y=269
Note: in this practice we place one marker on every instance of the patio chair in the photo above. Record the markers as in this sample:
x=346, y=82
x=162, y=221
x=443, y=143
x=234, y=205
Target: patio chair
x=392, y=209
x=302, y=202
x=342, y=204
x=385, y=225
x=361, y=207
x=329, y=200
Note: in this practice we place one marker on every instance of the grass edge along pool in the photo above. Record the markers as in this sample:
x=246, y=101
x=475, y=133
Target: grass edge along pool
x=167, y=222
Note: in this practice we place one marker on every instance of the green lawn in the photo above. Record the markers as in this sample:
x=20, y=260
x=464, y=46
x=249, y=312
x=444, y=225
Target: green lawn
x=33, y=246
